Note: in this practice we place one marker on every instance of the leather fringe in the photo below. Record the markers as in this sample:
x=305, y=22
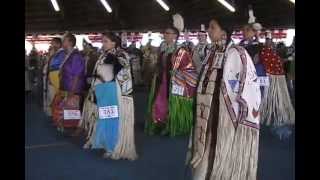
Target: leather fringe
x=89, y=118
x=125, y=148
x=276, y=107
x=236, y=151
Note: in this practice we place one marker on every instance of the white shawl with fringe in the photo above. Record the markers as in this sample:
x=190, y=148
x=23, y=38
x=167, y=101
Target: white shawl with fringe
x=236, y=149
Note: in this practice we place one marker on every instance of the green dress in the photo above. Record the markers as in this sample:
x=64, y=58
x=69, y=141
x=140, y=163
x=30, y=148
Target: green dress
x=155, y=120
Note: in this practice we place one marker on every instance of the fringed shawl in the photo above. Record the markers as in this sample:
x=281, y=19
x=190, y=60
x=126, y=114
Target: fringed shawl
x=271, y=61
x=184, y=73
x=276, y=109
x=182, y=92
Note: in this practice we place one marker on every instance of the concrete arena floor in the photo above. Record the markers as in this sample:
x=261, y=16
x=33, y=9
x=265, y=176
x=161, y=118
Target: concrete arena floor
x=49, y=156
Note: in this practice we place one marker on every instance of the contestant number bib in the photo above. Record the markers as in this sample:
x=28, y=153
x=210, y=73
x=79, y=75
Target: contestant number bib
x=71, y=114
x=177, y=90
x=108, y=112
x=263, y=81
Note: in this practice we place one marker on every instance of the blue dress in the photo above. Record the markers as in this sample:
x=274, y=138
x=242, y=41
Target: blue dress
x=107, y=128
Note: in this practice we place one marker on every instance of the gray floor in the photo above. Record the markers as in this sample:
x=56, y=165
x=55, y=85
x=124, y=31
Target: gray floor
x=52, y=157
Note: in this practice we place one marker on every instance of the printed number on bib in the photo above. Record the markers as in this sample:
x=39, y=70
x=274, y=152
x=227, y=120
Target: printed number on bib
x=71, y=114
x=108, y=112
x=177, y=90
x=263, y=81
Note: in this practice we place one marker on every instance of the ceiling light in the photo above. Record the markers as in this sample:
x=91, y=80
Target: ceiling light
x=293, y=1
x=227, y=5
x=55, y=5
x=106, y=5
x=163, y=5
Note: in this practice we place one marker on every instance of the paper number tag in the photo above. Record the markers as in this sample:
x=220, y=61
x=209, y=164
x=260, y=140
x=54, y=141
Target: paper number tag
x=178, y=90
x=263, y=81
x=71, y=114
x=218, y=60
x=108, y=112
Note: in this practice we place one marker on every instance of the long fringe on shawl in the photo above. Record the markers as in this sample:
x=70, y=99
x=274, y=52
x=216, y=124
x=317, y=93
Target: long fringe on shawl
x=236, y=151
x=125, y=148
x=90, y=115
x=89, y=118
x=180, y=115
x=276, y=107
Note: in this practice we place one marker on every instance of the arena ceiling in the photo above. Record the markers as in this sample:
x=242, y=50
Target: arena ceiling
x=143, y=15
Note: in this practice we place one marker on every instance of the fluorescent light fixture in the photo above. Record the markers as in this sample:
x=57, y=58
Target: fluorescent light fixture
x=227, y=5
x=163, y=5
x=55, y=5
x=293, y=1
x=106, y=5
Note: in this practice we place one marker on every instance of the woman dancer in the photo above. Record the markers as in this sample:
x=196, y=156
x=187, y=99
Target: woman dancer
x=159, y=92
x=108, y=110
x=226, y=133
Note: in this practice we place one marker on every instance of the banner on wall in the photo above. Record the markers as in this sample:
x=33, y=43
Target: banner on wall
x=42, y=42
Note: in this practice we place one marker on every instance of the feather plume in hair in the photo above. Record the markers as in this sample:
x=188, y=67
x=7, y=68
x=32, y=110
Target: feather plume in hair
x=178, y=22
x=252, y=20
x=257, y=26
x=203, y=27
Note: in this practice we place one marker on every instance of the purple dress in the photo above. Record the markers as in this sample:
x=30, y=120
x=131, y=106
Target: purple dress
x=74, y=66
